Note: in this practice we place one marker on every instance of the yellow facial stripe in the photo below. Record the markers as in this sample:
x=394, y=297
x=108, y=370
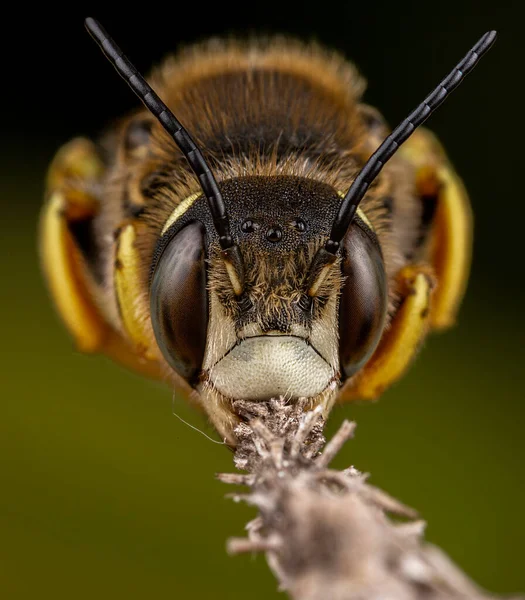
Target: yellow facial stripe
x=180, y=210
x=127, y=285
x=360, y=213
x=365, y=219
x=64, y=271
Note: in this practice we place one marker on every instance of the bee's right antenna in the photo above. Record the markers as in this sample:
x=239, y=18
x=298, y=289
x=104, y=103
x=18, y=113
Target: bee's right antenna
x=231, y=254
x=400, y=134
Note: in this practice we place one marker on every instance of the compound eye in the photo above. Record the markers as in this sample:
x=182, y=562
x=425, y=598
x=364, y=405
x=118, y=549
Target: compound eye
x=179, y=303
x=363, y=301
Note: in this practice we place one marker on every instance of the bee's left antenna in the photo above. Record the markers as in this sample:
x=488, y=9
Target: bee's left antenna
x=400, y=134
x=185, y=143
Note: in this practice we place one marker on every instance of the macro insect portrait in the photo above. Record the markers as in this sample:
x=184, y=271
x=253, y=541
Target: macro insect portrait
x=273, y=256
x=233, y=239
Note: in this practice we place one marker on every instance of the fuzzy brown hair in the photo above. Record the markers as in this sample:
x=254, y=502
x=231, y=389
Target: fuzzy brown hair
x=265, y=107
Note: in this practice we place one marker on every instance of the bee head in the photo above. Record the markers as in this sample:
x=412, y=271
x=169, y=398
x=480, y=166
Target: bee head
x=297, y=329
x=269, y=286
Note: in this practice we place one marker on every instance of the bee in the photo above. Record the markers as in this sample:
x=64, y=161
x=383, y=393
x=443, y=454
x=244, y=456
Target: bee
x=290, y=245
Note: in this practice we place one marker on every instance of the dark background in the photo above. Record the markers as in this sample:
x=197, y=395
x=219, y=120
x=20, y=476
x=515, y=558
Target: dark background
x=104, y=492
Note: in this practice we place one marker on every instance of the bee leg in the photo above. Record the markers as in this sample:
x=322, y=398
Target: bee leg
x=69, y=202
x=451, y=248
x=70, y=205
x=449, y=245
x=133, y=310
x=401, y=342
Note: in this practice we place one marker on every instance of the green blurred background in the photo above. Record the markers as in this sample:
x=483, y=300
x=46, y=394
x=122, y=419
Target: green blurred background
x=103, y=492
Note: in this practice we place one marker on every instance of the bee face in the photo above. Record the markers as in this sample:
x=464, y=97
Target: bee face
x=274, y=339
x=250, y=270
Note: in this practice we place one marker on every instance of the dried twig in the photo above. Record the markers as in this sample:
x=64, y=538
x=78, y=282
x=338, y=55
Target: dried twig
x=326, y=533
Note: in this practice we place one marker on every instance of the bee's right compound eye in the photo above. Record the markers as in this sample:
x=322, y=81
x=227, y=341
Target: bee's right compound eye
x=179, y=303
x=363, y=301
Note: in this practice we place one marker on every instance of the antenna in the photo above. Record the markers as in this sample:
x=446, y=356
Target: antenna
x=400, y=134
x=171, y=124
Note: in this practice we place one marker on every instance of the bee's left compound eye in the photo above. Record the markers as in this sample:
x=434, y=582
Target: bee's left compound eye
x=363, y=301
x=179, y=303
